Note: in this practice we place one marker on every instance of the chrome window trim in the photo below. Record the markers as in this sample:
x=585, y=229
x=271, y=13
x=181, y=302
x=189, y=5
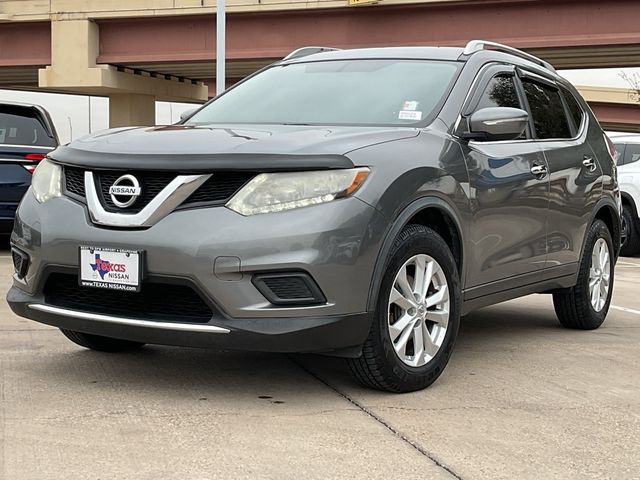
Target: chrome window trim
x=171, y=196
x=575, y=139
x=181, y=327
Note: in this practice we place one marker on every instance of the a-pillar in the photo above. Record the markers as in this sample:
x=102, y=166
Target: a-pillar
x=126, y=109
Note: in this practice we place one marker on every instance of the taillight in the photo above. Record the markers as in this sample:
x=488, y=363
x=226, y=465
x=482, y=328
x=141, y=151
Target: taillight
x=33, y=157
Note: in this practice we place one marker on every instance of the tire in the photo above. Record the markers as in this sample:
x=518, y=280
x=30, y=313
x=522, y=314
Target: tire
x=631, y=245
x=574, y=307
x=102, y=344
x=380, y=366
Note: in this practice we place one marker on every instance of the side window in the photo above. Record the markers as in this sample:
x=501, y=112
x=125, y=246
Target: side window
x=500, y=92
x=631, y=154
x=619, y=153
x=547, y=110
x=577, y=114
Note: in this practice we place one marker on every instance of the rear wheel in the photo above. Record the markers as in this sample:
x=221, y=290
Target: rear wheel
x=102, y=344
x=585, y=306
x=417, y=317
x=630, y=236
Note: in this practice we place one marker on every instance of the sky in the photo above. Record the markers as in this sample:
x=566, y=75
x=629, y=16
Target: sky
x=77, y=115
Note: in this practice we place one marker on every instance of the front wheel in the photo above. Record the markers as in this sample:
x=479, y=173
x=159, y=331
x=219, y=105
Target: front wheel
x=417, y=316
x=585, y=305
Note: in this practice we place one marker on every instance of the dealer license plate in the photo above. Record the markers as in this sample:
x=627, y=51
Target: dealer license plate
x=112, y=268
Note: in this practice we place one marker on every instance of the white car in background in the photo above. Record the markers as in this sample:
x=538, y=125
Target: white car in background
x=628, y=160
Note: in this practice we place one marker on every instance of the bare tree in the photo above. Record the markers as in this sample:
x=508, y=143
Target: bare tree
x=633, y=79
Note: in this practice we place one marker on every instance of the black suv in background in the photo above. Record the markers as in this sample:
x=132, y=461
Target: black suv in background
x=27, y=135
x=353, y=203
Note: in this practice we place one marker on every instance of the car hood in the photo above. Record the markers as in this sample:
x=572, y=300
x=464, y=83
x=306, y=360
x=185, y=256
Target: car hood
x=178, y=147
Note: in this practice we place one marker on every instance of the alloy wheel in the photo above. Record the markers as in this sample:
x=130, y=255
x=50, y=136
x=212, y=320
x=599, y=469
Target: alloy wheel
x=599, y=275
x=418, y=313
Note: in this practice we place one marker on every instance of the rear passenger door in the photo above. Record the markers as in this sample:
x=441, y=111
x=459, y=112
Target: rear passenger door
x=560, y=128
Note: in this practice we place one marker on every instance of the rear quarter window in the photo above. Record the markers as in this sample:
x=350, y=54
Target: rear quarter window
x=577, y=114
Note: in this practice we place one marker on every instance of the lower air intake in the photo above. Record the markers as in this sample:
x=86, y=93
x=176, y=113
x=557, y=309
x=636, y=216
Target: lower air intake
x=289, y=289
x=155, y=301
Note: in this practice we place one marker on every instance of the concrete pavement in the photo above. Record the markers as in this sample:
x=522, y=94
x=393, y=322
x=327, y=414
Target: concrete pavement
x=521, y=398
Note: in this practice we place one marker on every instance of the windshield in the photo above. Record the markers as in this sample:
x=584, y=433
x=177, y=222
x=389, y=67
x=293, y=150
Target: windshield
x=345, y=92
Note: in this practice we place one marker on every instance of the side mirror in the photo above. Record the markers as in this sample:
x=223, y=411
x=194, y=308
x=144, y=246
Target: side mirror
x=187, y=113
x=497, y=123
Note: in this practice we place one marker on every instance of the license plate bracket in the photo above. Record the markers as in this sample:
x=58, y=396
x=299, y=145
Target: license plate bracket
x=110, y=268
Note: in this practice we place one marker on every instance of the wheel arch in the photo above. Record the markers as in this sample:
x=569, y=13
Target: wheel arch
x=432, y=212
x=607, y=211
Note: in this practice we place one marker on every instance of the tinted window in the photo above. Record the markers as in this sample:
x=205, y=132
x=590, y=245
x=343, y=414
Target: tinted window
x=352, y=92
x=501, y=92
x=21, y=126
x=619, y=153
x=547, y=110
x=574, y=108
x=631, y=154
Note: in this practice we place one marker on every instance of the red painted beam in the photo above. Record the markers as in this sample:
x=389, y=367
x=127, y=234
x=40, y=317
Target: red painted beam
x=617, y=114
x=562, y=24
x=25, y=44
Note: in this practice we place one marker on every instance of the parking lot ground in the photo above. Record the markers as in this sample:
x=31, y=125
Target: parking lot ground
x=521, y=398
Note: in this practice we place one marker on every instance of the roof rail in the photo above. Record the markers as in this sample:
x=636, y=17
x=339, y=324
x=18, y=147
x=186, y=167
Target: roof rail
x=477, y=45
x=305, y=51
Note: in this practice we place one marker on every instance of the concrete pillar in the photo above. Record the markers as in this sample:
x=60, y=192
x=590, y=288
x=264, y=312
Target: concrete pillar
x=127, y=109
x=74, y=49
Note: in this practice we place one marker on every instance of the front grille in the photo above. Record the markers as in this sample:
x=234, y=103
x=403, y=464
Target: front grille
x=217, y=190
x=155, y=301
x=151, y=183
x=74, y=180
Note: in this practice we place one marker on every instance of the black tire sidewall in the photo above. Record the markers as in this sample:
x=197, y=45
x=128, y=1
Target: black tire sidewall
x=597, y=231
x=421, y=240
x=631, y=246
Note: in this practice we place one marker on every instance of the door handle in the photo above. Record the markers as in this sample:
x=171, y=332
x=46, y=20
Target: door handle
x=539, y=171
x=589, y=163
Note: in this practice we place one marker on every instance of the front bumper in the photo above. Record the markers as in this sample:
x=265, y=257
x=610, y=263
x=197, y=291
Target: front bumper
x=341, y=334
x=335, y=243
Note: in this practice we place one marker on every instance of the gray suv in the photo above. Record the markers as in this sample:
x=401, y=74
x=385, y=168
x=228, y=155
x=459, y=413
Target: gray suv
x=351, y=203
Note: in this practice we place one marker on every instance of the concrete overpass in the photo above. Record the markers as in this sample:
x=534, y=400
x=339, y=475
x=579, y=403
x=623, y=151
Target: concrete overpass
x=617, y=109
x=137, y=51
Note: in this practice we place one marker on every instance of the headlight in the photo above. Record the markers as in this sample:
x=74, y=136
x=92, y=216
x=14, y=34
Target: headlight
x=275, y=192
x=46, y=181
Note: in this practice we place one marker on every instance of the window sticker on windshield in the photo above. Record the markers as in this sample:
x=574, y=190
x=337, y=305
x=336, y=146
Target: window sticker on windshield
x=410, y=115
x=410, y=105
